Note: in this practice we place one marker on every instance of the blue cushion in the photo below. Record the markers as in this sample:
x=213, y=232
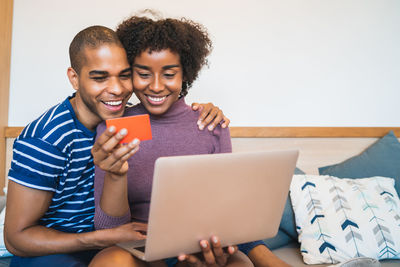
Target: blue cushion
x=280, y=240
x=287, y=229
x=380, y=159
x=298, y=171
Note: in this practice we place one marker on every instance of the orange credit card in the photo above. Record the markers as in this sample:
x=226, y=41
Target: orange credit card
x=137, y=126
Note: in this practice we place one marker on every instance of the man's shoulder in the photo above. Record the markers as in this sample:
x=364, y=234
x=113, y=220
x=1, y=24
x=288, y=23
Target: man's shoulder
x=56, y=126
x=46, y=121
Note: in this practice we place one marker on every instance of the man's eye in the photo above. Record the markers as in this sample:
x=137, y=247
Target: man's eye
x=125, y=76
x=99, y=79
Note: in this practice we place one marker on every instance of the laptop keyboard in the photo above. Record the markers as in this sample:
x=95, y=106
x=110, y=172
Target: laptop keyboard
x=140, y=248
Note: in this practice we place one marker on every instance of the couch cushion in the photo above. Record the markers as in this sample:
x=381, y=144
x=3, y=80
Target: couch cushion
x=339, y=219
x=287, y=229
x=2, y=202
x=291, y=255
x=380, y=159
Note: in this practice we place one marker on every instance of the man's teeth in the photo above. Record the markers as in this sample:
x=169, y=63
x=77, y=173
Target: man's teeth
x=156, y=99
x=113, y=103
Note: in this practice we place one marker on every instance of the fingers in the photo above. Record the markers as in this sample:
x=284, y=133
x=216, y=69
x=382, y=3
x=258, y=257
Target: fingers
x=191, y=260
x=207, y=252
x=127, y=232
x=113, y=142
x=139, y=226
x=208, y=113
x=128, y=150
x=204, y=109
x=106, y=142
x=232, y=250
x=211, y=116
x=226, y=122
x=217, y=255
x=213, y=254
x=109, y=154
x=119, y=156
x=104, y=138
x=195, y=106
x=138, y=235
x=139, y=230
x=220, y=257
x=214, y=118
x=114, y=160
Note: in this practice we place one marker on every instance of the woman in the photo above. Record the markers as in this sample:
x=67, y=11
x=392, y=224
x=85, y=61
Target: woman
x=166, y=57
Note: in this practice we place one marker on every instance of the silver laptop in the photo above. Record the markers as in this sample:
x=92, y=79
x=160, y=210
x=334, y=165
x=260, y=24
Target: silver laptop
x=238, y=197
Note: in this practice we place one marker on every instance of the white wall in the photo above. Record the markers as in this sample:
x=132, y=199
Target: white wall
x=275, y=62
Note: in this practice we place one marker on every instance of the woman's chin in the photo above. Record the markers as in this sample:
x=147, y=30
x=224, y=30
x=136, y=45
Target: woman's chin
x=156, y=110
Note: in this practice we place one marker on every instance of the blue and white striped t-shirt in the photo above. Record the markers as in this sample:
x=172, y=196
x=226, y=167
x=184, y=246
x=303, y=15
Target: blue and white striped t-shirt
x=53, y=153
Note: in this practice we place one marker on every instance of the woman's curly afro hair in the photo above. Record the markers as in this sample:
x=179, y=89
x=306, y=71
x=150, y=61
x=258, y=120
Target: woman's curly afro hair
x=188, y=39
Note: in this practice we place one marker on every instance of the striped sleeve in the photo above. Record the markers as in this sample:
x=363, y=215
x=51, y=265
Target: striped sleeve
x=36, y=164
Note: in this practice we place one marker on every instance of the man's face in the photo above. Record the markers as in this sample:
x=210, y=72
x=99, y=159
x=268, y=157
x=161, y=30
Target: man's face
x=104, y=85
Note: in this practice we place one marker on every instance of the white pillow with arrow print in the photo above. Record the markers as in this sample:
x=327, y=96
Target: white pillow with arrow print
x=338, y=219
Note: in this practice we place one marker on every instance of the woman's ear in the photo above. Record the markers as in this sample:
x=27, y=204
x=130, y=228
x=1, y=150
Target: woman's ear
x=184, y=84
x=183, y=89
x=73, y=78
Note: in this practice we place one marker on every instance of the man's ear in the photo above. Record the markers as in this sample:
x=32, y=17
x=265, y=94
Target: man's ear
x=73, y=78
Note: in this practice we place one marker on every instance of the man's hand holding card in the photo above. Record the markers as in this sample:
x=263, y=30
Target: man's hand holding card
x=137, y=126
x=119, y=142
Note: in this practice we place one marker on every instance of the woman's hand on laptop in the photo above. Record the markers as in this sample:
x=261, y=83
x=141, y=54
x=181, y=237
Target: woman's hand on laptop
x=214, y=255
x=210, y=115
x=110, y=155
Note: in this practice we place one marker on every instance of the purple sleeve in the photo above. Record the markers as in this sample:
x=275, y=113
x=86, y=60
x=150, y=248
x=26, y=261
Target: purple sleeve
x=223, y=142
x=101, y=219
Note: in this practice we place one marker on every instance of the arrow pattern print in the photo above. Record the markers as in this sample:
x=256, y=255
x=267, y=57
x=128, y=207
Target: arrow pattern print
x=338, y=219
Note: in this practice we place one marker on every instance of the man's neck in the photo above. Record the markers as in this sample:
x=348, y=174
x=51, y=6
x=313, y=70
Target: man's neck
x=90, y=124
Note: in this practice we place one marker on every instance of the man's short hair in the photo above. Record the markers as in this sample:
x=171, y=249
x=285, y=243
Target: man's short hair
x=91, y=37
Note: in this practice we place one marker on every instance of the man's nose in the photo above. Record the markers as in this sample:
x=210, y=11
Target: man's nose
x=116, y=87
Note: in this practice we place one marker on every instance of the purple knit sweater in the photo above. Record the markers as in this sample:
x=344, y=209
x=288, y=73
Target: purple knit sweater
x=174, y=133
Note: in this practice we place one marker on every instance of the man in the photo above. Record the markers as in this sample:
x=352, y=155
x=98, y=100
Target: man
x=50, y=203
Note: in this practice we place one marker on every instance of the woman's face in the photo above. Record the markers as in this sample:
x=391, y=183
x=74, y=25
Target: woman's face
x=157, y=79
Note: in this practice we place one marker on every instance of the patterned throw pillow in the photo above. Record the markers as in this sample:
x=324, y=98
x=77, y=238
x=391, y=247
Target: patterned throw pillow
x=338, y=219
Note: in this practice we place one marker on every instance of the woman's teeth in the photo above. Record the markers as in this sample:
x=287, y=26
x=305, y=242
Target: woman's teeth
x=113, y=103
x=156, y=99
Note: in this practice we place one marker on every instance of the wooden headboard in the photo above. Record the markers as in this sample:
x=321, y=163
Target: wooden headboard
x=318, y=146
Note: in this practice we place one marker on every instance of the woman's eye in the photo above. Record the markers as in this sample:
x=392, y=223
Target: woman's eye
x=169, y=75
